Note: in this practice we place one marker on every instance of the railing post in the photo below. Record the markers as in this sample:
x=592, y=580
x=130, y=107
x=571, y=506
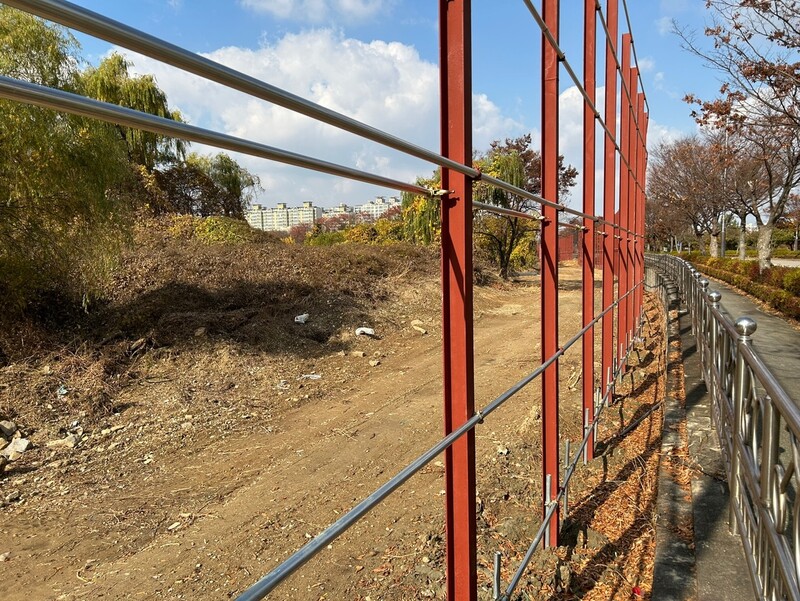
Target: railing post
x=458, y=389
x=714, y=369
x=703, y=335
x=549, y=268
x=746, y=327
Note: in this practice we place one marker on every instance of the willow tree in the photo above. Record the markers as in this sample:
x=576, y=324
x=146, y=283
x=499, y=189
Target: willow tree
x=59, y=216
x=234, y=185
x=112, y=82
x=502, y=236
x=421, y=213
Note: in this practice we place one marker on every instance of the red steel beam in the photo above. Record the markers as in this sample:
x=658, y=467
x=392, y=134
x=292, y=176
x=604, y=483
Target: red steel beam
x=459, y=401
x=588, y=238
x=549, y=270
x=640, y=204
x=633, y=178
x=609, y=190
x=624, y=189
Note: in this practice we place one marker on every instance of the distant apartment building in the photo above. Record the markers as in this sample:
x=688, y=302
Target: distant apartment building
x=282, y=217
x=340, y=209
x=375, y=209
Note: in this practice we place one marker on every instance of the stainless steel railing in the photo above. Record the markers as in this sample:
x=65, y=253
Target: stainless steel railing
x=758, y=424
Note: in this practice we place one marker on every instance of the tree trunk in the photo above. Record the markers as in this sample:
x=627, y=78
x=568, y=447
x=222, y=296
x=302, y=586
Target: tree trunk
x=742, y=242
x=765, y=246
x=713, y=244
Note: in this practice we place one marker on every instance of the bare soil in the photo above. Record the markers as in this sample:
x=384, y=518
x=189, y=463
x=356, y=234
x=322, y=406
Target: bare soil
x=217, y=436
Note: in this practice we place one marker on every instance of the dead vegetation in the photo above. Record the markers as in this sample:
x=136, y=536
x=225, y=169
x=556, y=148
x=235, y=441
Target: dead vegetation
x=193, y=379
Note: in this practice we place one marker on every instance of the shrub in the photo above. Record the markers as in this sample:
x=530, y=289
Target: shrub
x=791, y=281
x=215, y=230
x=326, y=239
x=774, y=276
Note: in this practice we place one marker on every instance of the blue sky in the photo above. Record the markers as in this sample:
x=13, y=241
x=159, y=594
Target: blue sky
x=376, y=60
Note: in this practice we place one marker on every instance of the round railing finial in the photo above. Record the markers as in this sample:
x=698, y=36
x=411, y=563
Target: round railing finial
x=703, y=283
x=714, y=296
x=746, y=326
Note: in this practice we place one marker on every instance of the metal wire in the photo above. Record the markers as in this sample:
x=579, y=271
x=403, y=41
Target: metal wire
x=540, y=533
x=633, y=46
x=23, y=91
x=98, y=25
x=562, y=57
x=623, y=86
x=95, y=24
x=263, y=587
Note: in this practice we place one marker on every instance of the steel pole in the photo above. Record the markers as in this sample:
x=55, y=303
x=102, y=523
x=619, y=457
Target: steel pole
x=633, y=145
x=588, y=238
x=624, y=187
x=609, y=190
x=458, y=359
x=549, y=268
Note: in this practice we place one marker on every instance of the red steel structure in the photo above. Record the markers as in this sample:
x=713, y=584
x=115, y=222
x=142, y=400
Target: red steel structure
x=459, y=404
x=618, y=230
x=589, y=239
x=609, y=191
x=549, y=264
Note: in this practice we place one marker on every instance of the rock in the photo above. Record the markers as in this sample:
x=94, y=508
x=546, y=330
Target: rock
x=501, y=450
x=595, y=539
x=5, y=556
x=419, y=326
x=13, y=496
x=358, y=354
x=15, y=450
x=199, y=332
x=365, y=332
x=70, y=441
x=7, y=428
x=374, y=362
x=3, y=463
x=302, y=318
x=514, y=529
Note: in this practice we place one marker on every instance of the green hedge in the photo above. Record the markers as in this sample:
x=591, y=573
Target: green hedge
x=779, y=287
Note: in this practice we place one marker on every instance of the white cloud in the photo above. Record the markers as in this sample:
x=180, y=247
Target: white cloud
x=664, y=26
x=383, y=84
x=646, y=64
x=317, y=11
x=490, y=124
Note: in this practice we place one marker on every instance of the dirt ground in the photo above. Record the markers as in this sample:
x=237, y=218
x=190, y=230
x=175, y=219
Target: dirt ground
x=216, y=436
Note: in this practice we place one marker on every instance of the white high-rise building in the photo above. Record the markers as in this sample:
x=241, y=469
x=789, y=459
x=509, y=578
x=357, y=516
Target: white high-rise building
x=375, y=209
x=282, y=217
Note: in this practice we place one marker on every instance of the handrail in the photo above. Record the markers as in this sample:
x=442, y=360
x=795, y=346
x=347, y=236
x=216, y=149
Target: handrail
x=758, y=424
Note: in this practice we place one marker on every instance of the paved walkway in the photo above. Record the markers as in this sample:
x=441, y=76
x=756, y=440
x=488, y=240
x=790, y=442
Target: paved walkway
x=711, y=565
x=775, y=340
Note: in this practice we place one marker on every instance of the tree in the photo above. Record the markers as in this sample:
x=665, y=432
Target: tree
x=686, y=179
x=421, y=213
x=234, y=185
x=200, y=186
x=755, y=44
x=515, y=162
x=60, y=216
x=112, y=82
